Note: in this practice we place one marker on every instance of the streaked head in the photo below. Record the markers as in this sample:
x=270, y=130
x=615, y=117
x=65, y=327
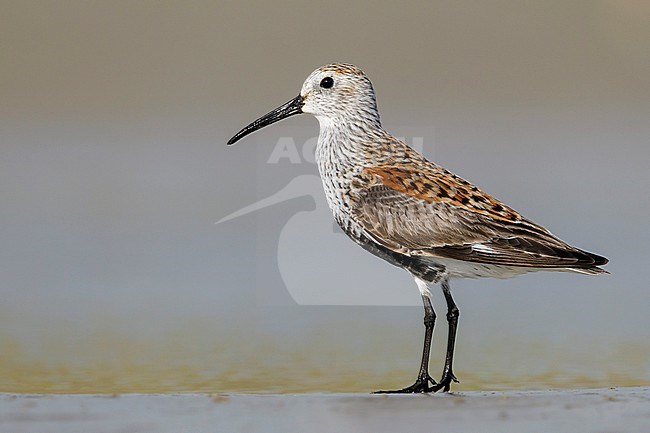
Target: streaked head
x=335, y=93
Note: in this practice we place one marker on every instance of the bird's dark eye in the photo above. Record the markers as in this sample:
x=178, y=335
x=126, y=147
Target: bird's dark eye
x=326, y=82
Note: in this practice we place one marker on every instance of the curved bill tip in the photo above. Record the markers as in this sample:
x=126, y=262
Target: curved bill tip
x=282, y=112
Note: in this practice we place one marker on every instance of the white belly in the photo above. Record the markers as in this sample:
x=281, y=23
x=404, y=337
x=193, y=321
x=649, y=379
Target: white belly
x=462, y=269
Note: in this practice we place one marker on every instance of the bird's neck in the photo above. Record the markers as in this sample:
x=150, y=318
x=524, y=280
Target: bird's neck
x=347, y=144
x=344, y=148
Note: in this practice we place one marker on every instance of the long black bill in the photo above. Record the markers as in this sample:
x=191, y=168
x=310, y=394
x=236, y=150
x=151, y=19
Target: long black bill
x=282, y=112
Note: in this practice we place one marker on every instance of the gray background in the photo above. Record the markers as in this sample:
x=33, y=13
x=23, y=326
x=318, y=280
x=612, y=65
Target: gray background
x=114, y=169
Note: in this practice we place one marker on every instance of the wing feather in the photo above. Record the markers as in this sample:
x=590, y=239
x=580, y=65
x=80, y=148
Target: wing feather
x=431, y=212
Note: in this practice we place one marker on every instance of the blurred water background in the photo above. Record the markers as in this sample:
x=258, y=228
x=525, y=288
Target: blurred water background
x=114, y=170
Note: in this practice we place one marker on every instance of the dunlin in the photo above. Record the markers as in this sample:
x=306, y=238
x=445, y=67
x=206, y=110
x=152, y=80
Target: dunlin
x=410, y=211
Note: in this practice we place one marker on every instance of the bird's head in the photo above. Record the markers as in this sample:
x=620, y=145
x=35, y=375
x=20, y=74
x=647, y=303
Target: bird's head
x=336, y=94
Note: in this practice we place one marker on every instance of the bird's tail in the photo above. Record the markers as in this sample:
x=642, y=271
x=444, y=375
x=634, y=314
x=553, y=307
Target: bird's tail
x=592, y=261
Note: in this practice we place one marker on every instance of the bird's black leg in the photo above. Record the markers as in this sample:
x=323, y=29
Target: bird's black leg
x=452, y=320
x=429, y=324
x=423, y=380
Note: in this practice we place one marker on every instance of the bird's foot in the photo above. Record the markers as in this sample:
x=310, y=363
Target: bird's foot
x=420, y=386
x=445, y=382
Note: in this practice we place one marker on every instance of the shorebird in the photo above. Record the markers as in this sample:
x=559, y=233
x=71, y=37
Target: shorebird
x=411, y=212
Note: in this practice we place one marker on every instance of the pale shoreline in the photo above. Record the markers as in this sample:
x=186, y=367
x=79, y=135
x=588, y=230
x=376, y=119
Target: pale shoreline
x=579, y=410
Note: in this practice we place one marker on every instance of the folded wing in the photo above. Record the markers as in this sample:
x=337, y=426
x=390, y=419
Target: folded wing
x=429, y=211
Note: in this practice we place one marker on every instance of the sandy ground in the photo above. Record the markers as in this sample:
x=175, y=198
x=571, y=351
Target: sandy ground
x=593, y=410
